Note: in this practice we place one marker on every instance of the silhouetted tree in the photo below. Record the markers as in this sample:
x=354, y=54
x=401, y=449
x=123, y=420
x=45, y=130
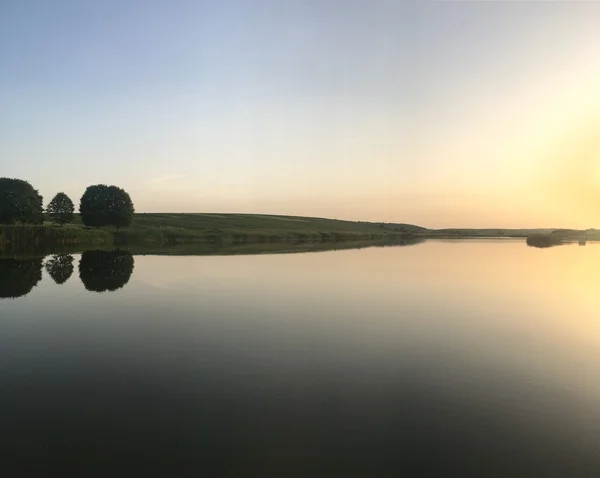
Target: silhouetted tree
x=61, y=209
x=121, y=208
x=60, y=267
x=92, y=206
x=18, y=277
x=103, y=205
x=102, y=271
x=20, y=202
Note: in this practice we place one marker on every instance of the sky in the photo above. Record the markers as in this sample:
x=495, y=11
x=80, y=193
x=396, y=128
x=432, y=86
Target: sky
x=442, y=114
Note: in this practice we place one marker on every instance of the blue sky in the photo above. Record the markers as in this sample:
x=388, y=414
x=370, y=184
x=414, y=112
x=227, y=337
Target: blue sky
x=436, y=113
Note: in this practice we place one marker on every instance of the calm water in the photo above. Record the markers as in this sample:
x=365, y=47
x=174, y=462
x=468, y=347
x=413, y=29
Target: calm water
x=466, y=359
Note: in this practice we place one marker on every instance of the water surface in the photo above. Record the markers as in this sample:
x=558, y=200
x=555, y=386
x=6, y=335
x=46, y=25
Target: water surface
x=447, y=358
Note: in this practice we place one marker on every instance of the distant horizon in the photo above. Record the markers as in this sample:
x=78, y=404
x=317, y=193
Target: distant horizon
x=76, y=200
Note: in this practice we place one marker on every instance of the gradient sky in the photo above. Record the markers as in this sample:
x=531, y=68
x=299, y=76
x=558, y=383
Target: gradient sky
x=466, y=114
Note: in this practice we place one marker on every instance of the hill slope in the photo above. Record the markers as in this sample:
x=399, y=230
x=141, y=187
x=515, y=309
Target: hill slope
x=265, y=222
x=181, y=227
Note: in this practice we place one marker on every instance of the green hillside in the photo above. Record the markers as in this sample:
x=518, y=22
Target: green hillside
x=181, y=227
x=254, y=222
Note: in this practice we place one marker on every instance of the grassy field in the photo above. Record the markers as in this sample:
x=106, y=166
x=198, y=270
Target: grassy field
x=252, y=228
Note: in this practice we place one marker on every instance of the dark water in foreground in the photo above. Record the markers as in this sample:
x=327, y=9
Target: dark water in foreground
x=466, y=359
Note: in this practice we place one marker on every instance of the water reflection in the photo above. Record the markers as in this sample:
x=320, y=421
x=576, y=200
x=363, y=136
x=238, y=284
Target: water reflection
x=543, y=241
x=19, y=276
x=60, y=267
x=203, y=249
x=102, y=271
x=452, y=359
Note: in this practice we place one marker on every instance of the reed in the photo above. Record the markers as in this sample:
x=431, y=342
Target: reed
x=30, y=235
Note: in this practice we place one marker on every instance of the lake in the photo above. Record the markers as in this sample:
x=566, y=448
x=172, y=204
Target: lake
x=445, y=358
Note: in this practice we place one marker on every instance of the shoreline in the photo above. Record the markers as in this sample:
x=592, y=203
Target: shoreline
x=239, y=230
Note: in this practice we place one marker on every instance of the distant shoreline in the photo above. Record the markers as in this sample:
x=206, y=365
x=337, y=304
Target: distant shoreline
x=156, y=229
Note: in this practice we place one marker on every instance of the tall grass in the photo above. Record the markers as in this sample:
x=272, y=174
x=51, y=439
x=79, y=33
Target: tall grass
x=28, y=235
x=177, y=235
x=195, y=249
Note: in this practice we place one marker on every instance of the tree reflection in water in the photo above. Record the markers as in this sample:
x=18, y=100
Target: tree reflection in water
x=102, y=271
x=19, y=276
x=60, y=267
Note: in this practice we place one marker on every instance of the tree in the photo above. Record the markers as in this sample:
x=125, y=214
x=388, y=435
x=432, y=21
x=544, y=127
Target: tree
x=92, y=205
x=20, y=202
x=60, y=267
x=102, y=271
x=61, y=209
x=120, y=207
x=103, y=205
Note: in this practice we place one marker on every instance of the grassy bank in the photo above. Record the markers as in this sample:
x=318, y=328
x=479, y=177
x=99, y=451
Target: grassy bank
x=51, y=235
x=224, y=230
x=203, y=249
x=210, y=230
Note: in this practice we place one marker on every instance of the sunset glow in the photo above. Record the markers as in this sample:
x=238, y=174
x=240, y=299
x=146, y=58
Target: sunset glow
x=442, y=114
